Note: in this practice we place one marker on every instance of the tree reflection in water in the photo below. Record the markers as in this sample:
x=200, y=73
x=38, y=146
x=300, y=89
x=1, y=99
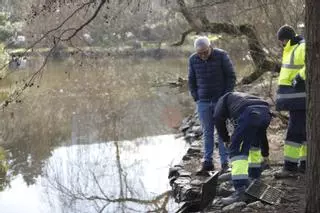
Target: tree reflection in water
x=124, y=176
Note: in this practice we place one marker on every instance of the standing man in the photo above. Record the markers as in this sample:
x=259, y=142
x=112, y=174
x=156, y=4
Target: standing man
x=211, y=75
x=291, y=96
x=251, y=117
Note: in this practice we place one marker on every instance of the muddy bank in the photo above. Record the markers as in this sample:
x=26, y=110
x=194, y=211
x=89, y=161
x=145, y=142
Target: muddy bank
x=187, y=185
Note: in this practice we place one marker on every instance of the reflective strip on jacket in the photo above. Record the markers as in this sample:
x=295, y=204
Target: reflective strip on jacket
x=293, y=64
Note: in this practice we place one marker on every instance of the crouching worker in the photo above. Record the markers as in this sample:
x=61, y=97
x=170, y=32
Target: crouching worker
x=251, y=117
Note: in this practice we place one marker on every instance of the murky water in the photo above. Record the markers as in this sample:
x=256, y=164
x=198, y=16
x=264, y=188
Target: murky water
x=93, y=136
x=96, y=136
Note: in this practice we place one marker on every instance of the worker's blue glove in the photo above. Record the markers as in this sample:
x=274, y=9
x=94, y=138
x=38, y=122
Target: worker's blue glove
x=227, y=142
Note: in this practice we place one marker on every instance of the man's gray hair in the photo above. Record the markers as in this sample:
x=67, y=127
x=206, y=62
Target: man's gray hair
x=201, y=42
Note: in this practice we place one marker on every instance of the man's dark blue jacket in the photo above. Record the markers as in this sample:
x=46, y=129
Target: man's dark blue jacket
x=210, y=79
x=230, y=106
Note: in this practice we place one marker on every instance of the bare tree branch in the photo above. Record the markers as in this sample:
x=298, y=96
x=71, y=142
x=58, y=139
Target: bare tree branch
x=183, y=37
x=102, y=2
x=30, y=82
x=98, y=184
x=38, y=73
x=256, y=51
x=59, y=26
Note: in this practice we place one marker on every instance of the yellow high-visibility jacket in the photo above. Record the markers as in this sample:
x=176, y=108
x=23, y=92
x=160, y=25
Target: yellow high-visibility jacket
x=293, y=66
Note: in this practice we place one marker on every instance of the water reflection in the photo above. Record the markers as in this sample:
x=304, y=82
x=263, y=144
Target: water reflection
x=123, y=176
x=76, y=106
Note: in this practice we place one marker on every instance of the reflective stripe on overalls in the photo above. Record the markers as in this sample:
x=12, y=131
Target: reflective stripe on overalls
x=292, y=151
x=239, y=167
x=255, y=157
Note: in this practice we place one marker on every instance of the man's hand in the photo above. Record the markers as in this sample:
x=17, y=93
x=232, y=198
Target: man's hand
x=294, y=83
x=298, y=82
x=227, y=143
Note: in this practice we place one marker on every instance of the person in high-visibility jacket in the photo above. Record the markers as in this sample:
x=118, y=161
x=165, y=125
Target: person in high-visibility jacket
x=251, y=117
x=291, y=96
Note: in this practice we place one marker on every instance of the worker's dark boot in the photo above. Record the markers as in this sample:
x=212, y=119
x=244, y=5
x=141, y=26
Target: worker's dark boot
x=285, y=173
x=302, y=167
x=224, y=168
x=237, y=196
x=205, y=168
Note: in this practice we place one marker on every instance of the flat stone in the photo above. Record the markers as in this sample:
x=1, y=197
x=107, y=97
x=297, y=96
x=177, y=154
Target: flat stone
x=269, y=207
x=197, y=130
x=224, y=190
x=194, y=150
x=224, y=177
x=196, y=182
x=191, y=135
x=238, y=206
x=256, y=205
x=179, y=135
x=197, y=143
x=184, y=127
x=182, y=181
x=186, y=157
x=173, y=171
x=184, y=173
x=247, y=209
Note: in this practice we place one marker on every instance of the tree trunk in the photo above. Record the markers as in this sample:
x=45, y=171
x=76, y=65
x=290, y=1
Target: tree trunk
x=313, y=105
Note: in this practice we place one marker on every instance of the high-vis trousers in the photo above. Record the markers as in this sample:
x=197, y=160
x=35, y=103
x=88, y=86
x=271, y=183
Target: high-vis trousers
x=245, y=153
x=295, y=148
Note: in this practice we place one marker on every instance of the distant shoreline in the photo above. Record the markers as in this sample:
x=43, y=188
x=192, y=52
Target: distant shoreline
x=60, y=53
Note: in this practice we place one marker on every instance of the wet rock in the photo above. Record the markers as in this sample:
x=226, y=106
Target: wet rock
x=182, y=180
x=194, y=150
x=196, y=182
x=203, y=173
x=247, y=209
x=190, y=137
x=184, y=127
x=269, y=207
x=197, y=143
x=224, y=177
x=197, y=130
x=184, y=173
x=217, y=202
x=235, y=207
x=267, y=173
x=173, y=171
x=186, y=120
x=180, y=135
x=171, y=180
x=186, y=158
x=225, y=189
x=256, y=205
